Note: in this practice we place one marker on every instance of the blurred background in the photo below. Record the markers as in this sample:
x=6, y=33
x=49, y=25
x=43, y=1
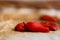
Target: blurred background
x=28, y=9
x=33, y=4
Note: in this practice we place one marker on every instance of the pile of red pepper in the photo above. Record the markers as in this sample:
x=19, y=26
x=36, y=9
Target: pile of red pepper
x=45, y=26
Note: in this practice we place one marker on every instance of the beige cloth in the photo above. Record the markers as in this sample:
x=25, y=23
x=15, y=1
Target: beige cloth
x=7, y=33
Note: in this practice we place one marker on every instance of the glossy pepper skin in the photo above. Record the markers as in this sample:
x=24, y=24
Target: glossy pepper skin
x=20, y=27
x=36, y=27
x=48, y=18
x=44, y=26
x=51, y=25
